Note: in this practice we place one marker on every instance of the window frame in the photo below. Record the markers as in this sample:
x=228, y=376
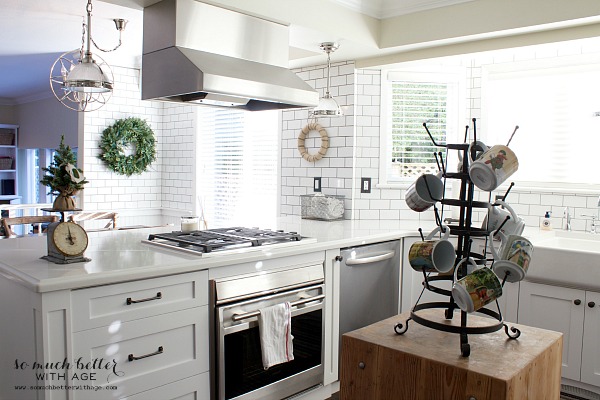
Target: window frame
x=433, y=74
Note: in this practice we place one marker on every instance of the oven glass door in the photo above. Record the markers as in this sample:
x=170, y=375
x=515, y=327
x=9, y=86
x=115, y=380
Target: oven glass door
x=240, y=352
x=244, y=370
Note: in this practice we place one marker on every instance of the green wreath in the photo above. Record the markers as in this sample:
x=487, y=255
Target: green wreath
x=129, y=131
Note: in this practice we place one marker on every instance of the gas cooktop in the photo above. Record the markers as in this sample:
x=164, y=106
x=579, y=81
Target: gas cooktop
x=221, y=240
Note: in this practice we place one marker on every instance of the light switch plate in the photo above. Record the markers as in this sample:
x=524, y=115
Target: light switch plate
x=365, y=185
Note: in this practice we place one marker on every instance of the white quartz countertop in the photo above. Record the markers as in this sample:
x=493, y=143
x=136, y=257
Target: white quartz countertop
x=118, y=256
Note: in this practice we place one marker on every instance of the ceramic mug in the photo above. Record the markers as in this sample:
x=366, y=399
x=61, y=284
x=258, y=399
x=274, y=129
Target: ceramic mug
x=496, y=217
x=425, y=192
x=433, y=255
x=512, y=261
x=477, y=289
x=494, y=166
x=470, y=267
x=478, y=147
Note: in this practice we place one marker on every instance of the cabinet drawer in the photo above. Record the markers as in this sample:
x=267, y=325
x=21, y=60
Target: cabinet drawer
x=103, y=305
x=193, y=388
x=181, y=336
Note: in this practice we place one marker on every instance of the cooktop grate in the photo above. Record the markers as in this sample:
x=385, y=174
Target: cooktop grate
x=219, y=239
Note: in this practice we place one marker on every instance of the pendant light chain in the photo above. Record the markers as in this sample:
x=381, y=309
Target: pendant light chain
x=83, y=28
x=120, y=23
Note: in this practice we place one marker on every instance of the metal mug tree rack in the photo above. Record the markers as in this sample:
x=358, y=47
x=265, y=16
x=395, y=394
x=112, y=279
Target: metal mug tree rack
x=464, y=231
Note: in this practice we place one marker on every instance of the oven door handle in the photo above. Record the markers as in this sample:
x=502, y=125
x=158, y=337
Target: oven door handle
x=240, y=317
x=371, y=259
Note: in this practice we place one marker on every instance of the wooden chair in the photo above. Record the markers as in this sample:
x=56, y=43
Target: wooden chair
x=96, y=215
x=29, y=220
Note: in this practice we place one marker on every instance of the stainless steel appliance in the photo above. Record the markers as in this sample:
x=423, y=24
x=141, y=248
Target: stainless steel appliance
x=199, y=53
x=214, y=242
x=369, y=284
x=236, y=360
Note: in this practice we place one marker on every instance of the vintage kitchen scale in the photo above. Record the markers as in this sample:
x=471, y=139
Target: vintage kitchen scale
x=66, y=241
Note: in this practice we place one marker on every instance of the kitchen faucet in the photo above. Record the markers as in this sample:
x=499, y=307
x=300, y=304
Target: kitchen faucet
x=567, y=217
x=595, y=219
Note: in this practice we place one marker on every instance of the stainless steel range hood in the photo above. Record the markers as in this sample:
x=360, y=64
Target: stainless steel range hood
x=198, y=53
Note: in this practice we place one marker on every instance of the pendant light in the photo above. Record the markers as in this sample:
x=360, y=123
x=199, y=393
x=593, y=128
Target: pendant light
x=77, y=80
x=328, y=107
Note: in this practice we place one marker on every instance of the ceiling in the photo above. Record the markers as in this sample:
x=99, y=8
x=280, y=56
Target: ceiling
x=36, y=32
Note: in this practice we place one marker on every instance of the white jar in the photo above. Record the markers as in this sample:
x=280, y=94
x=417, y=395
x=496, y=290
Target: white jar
x=189, y=224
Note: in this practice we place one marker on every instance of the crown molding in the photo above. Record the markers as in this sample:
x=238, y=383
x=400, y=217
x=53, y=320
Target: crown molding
x=382, y=9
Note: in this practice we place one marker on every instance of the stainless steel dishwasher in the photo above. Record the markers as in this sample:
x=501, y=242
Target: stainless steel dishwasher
x=369, y=284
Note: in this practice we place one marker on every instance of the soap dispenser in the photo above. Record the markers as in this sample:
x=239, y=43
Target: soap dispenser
x=546, y=224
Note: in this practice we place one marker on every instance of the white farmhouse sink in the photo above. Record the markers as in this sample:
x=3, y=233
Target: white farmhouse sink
x=568, y=259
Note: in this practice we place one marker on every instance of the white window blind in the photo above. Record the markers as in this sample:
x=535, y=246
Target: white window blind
x=555, y=109
x=237, y=167
x=408, y=101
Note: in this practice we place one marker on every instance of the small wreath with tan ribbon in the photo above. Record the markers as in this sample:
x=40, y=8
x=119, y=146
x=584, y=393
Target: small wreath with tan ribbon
x=313, y=126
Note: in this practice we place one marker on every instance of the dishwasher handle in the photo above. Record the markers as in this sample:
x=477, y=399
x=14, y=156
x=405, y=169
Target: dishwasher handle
x=371, y=259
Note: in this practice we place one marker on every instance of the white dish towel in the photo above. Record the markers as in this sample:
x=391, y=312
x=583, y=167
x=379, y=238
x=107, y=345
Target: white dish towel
x=275, y=327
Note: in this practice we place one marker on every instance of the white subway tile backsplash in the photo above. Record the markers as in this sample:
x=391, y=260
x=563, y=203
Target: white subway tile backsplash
x=593, y=202
x=550, y=199
x=575, y=201
x=529, y=198
x=369, y=214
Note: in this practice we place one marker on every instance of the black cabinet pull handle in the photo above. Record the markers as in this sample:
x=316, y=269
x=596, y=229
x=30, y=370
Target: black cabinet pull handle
x=591, y=304
x=131, y=357
x=577, y=302
x=157, y=297
x=361, y=365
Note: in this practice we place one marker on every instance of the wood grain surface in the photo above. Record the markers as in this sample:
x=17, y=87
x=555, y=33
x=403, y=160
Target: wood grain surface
x=426, y=364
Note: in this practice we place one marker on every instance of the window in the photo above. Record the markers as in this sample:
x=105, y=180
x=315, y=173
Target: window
x=237, y=167
x=556, y=110
x=31, y=163
x=408, y=101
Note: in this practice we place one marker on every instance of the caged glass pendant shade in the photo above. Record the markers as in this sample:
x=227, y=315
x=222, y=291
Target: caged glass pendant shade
x=328, y=107
x=88, y=77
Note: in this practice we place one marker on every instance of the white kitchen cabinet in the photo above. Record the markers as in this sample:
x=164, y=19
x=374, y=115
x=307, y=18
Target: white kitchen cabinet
x=558, y=309
x=575, y=313
x=156, y=332
x=590, y=361
x=192, y=388
x=8, y=160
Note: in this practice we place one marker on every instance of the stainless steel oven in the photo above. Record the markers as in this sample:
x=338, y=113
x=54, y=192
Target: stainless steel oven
x=237, y=367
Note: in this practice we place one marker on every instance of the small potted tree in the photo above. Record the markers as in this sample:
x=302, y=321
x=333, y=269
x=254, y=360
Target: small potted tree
x=63, y=178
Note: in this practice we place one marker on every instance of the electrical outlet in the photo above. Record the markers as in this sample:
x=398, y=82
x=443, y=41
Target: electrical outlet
x=317, y=184
x=365, y=185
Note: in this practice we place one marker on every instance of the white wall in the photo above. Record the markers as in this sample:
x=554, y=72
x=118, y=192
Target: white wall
x=7, y=115
x=43, y=122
